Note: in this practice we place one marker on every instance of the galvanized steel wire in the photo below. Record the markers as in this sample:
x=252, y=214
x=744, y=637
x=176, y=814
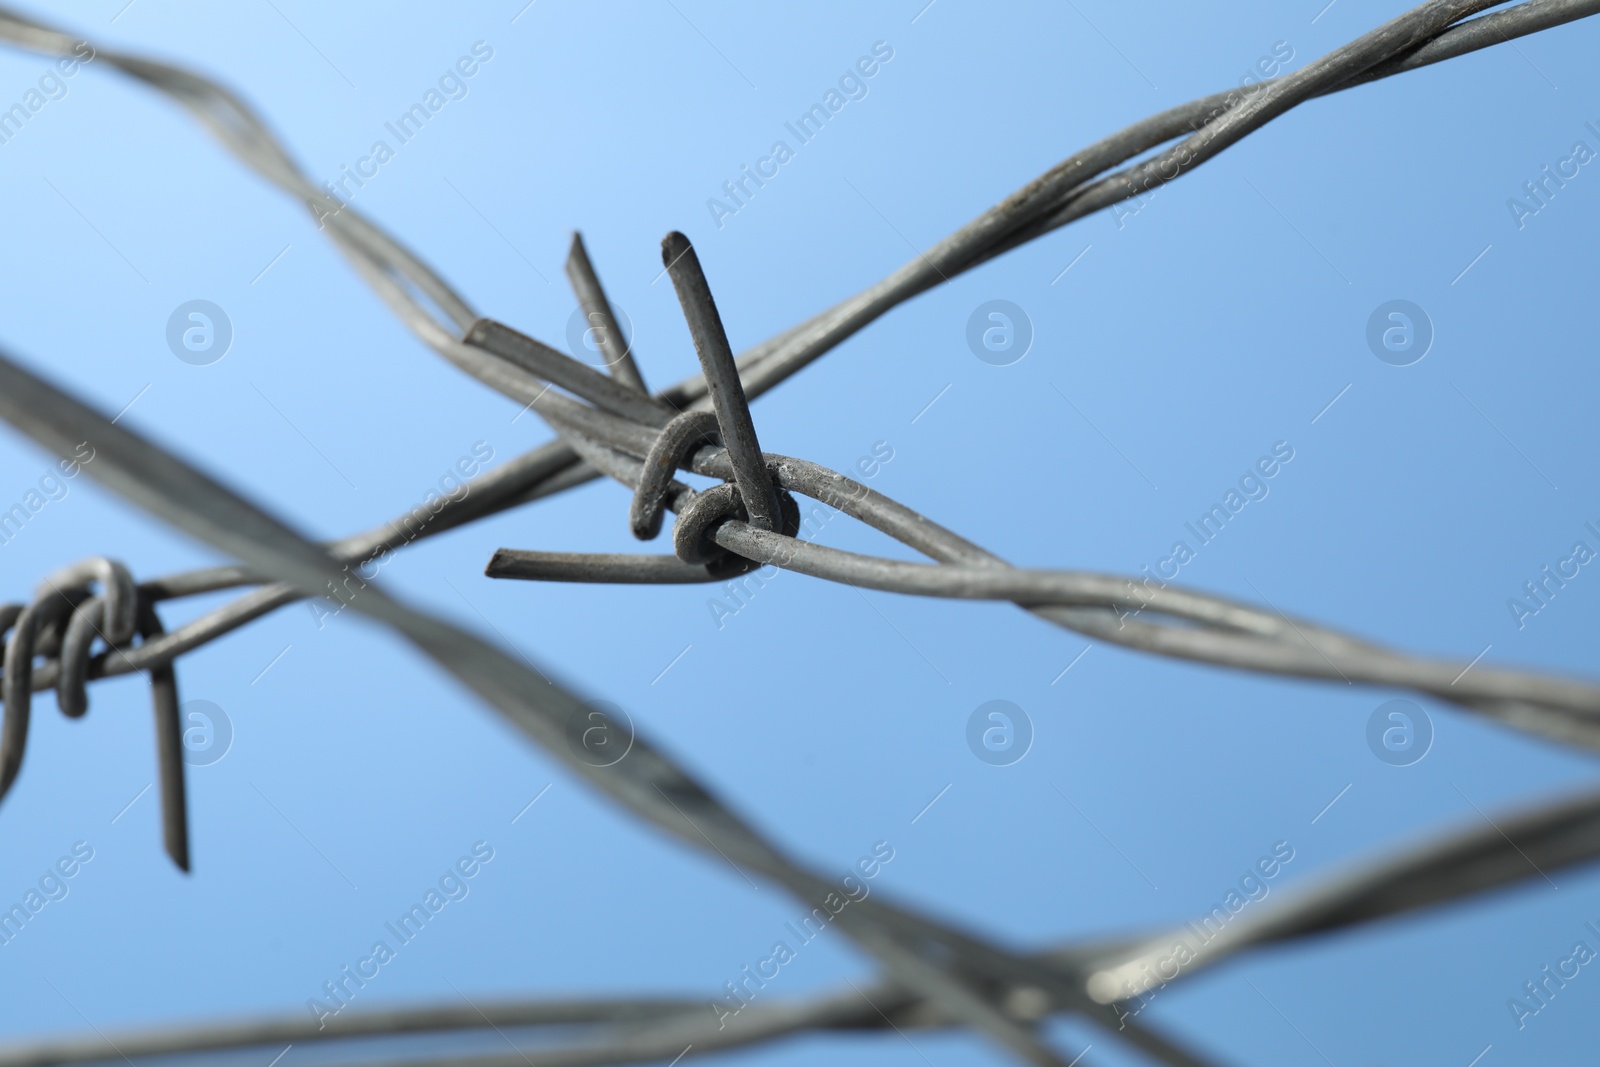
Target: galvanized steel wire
x=934, y=974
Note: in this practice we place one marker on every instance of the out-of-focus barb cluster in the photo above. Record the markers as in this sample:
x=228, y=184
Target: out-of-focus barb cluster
x=609, y=423
x=63, y=623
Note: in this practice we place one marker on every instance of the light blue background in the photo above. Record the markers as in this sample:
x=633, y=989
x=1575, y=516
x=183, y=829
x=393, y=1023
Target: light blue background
x=1220, y=319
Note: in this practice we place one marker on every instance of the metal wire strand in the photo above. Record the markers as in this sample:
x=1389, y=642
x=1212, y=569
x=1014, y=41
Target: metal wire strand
x=169, y=748
x=621, y=568
x=929, y=957
x=616, y=1031
x=615, y=348
x=542, y=361
x=555, y=467
x=1535, y=843
x=612, y=428
x=1490, y=854
x=382, y=261
x=656, y=488
x=1231, y=634
x=66, y=616
x=722, y=379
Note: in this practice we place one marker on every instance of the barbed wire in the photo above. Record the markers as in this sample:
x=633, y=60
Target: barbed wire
x=934, y=973
x=631, y=1030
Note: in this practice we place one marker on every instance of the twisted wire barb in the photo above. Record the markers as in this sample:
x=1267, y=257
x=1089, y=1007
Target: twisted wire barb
x=615, y=349
x=64, y=619
x=555, y=466
x=958, y=970
x=612, y=425
x=1222, y=631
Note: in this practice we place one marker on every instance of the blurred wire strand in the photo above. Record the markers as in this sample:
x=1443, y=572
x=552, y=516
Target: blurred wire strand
x=934, y=974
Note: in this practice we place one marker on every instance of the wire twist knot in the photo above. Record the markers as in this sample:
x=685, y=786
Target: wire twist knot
x=66, y=616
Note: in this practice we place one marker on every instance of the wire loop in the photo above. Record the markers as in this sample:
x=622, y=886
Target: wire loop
x=694, y=534
x=64, y=619
x=934, y=973
x=651, y=494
